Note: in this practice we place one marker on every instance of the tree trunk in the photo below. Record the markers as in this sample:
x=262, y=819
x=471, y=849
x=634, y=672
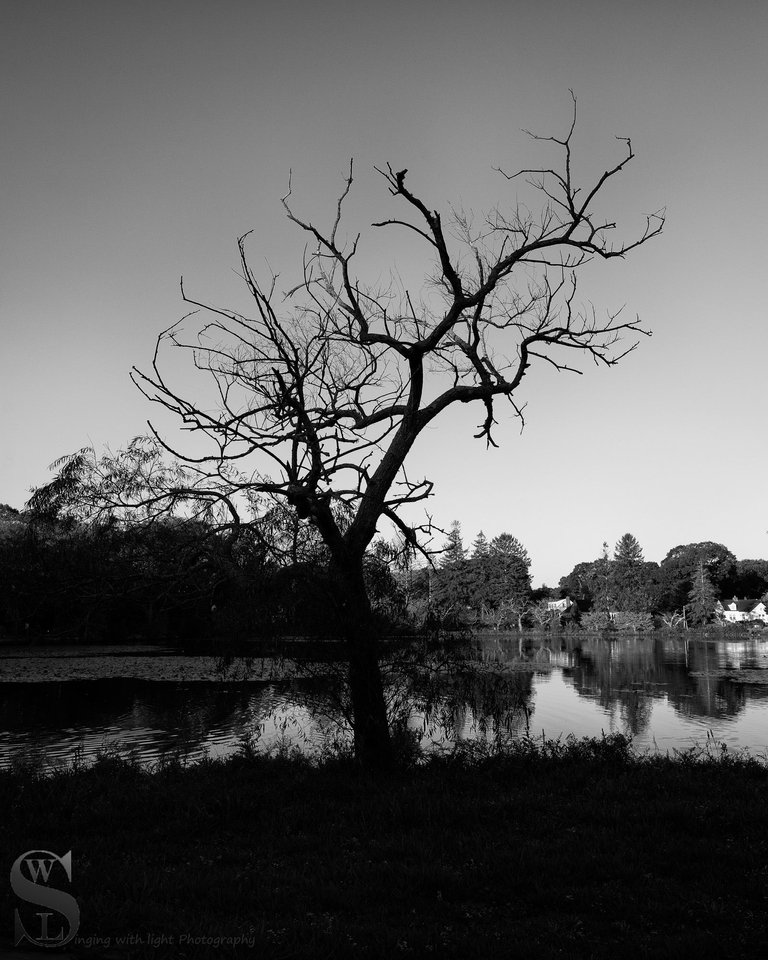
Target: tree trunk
x=373, y=747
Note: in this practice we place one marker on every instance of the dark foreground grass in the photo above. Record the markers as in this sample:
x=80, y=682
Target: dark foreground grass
x=573, y=850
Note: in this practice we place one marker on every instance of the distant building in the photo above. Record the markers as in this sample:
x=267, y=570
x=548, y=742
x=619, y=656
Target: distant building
x=560, y=606
x=738, y=611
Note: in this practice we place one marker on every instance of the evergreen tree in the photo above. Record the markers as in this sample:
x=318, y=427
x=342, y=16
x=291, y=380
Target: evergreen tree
x=508, y=576
x=476, y=576
x=605, y=584
x=702, y=597
x=628, y=551
x=480, y=546
x=603, y=593
x=507, y=547
x=453, y=551
x=451, y=592
x=630, y=587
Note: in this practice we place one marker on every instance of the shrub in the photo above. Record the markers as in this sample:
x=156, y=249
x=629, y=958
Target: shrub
x=628, y=620
x=597, y=620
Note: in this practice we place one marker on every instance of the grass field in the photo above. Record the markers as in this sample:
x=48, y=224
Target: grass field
x=575, y=849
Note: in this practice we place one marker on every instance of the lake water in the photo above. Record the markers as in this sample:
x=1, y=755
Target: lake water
x=669, y=691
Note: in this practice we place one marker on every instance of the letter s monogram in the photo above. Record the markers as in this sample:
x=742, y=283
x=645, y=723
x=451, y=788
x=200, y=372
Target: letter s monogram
x=44, y=896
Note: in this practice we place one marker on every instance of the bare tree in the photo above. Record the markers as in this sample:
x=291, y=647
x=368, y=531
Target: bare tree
x=542, y=615
x=323, y=391
x=512, y=612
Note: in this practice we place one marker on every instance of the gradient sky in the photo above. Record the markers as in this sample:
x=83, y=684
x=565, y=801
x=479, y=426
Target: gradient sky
x=139, y=140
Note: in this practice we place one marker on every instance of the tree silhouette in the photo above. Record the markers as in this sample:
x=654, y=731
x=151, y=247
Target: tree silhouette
x=320, y=393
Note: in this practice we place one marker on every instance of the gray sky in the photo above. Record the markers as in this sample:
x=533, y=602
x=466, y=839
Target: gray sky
x=141, y=139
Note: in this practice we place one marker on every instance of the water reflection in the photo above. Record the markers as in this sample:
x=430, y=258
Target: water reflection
x=448, y=700
x=700, y=676
x=667, y=691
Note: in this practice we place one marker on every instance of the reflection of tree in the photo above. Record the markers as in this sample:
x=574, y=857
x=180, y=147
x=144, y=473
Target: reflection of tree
x=441, y=695
x=485, y=691
x=451, y=695
x=184, y=717
x=319, y=692
x=620, y=674
x=635, y=709
x=479, y=691
x=41, y=707
x=150, y=715
x=625, y=674
x=488, y=705
x=710, y=694
x=545, y=649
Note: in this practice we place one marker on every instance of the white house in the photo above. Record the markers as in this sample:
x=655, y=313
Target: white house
x=559, y=606
x=737, y=611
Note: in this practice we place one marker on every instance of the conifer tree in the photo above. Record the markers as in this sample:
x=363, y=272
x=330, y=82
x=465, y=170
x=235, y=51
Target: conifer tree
x=702, y=597
x=480, y=546
x=508, y=569
x=477, y=574
x=453, y=551
x=628, y=550
x=604, y=598
x=628, y=576
x=451, y=591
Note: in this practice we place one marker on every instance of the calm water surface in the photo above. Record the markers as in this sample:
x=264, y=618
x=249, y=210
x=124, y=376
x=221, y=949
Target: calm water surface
x=668, y=691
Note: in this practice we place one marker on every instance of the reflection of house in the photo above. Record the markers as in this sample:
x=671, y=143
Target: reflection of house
x=563, y=658
x=737, y=611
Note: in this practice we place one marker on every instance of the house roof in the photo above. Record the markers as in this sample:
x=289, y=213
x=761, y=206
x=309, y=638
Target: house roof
x=743, y=606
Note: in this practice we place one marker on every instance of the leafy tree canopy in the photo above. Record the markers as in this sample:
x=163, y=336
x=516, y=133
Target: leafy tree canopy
x=679, y=568
x=751, y=579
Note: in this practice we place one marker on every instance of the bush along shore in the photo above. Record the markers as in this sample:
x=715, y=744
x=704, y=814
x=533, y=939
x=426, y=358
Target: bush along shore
x=576, y=848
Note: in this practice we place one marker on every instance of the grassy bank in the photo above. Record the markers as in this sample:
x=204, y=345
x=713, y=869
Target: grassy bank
x=575, y=850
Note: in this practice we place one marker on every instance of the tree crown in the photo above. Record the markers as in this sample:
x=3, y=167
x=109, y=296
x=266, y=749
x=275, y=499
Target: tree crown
x=321, y=391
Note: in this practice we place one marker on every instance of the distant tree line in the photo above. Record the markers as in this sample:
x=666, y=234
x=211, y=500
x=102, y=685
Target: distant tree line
x=490, y=585
x=171, y=579
x=65, y=577
x=684, y=586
